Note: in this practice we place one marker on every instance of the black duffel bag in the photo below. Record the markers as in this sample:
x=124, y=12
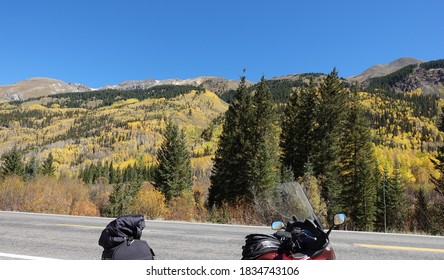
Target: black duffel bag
x=121, y=240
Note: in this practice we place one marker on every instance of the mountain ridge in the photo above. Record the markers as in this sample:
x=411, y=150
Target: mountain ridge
x=38, y=86
x=379, y=70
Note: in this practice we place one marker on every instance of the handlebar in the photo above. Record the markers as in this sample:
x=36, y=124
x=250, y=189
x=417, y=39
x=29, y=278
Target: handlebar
x=283, y=233
x=296, y=233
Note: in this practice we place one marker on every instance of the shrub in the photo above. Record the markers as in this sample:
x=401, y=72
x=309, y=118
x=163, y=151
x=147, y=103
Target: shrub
x=12, y=193
x=46, y=195
x=149, y=202
x=183, y=207
x=99, y=194
x=84, y=208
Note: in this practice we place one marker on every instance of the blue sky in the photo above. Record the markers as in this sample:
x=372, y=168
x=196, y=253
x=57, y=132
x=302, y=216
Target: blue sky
x=104, y=42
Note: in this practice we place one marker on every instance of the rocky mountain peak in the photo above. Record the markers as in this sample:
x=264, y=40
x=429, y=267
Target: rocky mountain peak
x=380, y=70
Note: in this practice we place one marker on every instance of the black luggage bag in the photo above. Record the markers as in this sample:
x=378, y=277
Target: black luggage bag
x=121, y=240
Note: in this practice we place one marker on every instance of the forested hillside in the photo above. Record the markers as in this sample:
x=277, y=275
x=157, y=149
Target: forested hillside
x=100, y=148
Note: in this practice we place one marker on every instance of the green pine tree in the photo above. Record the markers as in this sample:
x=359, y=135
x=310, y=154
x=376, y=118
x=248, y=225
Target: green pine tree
x=31, y=168
x=233, y=161
x=298, y=127
x=48, y=165
x=112, y=176
x=173, y=175
x=357, y=162
x=382, y=200
x=332, y=114
x=422, y=211
x=438, y=183
x=119, y=200
x=266, y=165
x=12, y=163
x=396, y=200
x=438, y=163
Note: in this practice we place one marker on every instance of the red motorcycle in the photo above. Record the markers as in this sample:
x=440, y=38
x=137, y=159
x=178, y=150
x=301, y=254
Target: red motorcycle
x=303, y=238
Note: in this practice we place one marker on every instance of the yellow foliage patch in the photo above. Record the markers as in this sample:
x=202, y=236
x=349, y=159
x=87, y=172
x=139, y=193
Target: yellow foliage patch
x=150, y=203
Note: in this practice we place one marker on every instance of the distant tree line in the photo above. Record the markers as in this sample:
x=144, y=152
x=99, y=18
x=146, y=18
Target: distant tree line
x=106, y=97
x=389, y=81
x=13, y=164
x=432, y=64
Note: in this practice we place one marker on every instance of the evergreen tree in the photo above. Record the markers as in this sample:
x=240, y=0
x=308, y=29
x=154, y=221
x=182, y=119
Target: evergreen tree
x=332, y=114
x=265, y=142
x=112, y=176
x=246, y=164
x=357, y=161
x=396, y=200
x=12, y=163
x=438, y=163
x=233, y=164
x=119, y=200
x=87, y=174
x=438, y=183
x=440, y=123
x=298, y=128
x=173, y=175
x=31, y=168
x=422, y=211
x=48, y=165
x=381, y=200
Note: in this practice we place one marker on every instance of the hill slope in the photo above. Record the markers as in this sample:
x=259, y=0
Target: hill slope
x=125, y=131
x=424, y=78
x=384, y=69
x=36, y=87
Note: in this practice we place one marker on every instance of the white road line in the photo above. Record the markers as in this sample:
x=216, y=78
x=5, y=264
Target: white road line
x=23, y=257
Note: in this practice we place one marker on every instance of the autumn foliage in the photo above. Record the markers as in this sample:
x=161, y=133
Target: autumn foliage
x=150, y=203
x=46, y=195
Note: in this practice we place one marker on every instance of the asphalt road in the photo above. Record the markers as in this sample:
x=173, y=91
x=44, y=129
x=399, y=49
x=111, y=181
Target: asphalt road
x=34, y=236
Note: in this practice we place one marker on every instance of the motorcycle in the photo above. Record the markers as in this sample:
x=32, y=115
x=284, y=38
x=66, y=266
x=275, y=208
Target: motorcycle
x=302, y=238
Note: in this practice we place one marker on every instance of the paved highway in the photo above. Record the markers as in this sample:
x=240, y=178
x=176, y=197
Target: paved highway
x=36, y=236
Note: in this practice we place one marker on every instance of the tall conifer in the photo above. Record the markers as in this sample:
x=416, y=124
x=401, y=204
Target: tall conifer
x=333, y=101
x=357, y=162
x=298, y=127
x=232, y=164
x=173, y=174
x=265, y=142
x=397, y=199
x=422, y=211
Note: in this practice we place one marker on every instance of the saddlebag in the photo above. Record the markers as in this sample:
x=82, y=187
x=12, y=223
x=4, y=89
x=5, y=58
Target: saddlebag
x=257, y=245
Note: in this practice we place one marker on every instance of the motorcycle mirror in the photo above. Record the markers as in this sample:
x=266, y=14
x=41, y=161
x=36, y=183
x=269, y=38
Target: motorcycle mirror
x=339, y=219
x=277, y=225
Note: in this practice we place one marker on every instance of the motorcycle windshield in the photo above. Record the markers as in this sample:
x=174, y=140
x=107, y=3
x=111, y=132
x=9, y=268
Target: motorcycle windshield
x=290, y=200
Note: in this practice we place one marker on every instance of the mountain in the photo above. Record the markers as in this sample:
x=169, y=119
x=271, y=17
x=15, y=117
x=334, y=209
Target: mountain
x=215, y=84
x=123, y=128
x=429, y=79
x=37, y=87
x=424, y=78
x=380, y=70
